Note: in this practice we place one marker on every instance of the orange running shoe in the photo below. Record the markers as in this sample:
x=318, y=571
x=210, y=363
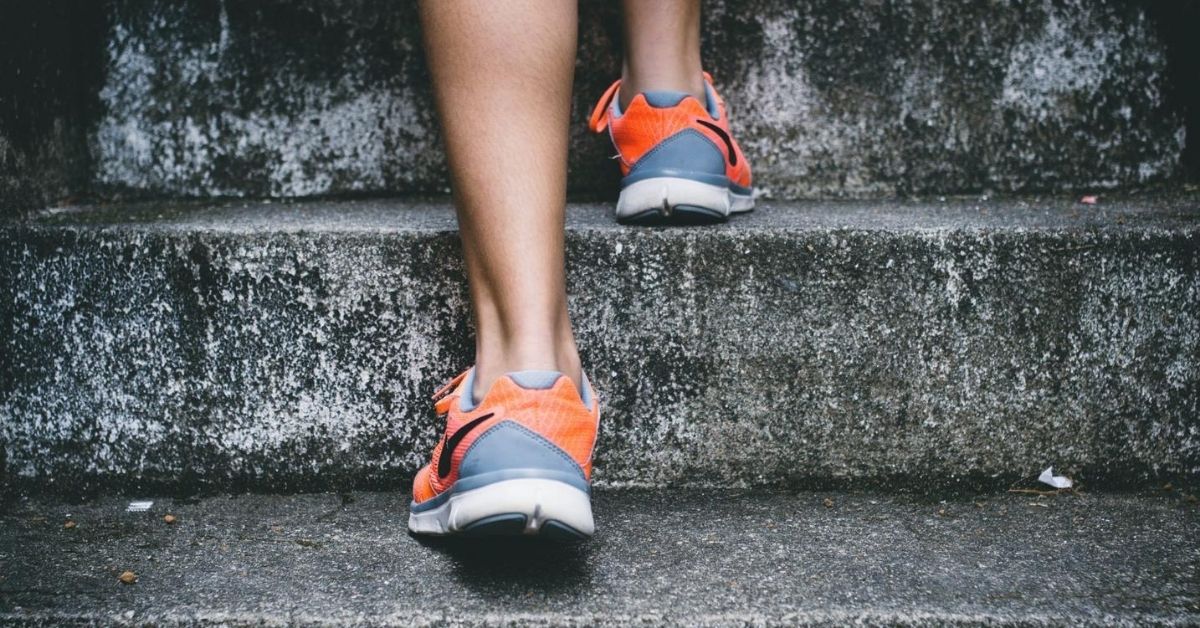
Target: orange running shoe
x=679, y=161
x=519, y=462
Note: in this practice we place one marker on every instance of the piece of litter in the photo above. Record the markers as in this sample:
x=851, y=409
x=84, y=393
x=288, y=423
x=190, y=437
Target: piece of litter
x=139, y=506
x=170, y=519
x=128, y=577
x=1057, y=481
x=1088, y=200
x=70, y=524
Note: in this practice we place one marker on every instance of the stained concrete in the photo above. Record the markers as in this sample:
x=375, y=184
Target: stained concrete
x=828, y=99
x=914, y=344
x=293, y=98
x=659, y=558
x=51, y=71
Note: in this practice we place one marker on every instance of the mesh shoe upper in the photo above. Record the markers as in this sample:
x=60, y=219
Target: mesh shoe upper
x=557, y=414
x=645, y=125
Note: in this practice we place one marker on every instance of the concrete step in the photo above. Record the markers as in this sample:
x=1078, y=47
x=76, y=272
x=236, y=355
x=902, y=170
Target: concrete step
x=687, y=558
x=915, y=344
x=312, y=97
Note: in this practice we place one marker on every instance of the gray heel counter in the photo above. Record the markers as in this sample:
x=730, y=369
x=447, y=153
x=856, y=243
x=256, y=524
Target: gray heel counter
x=509, y=450
x=688, y=153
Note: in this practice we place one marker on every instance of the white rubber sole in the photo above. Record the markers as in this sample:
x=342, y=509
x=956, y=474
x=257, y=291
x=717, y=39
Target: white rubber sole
x=539, y=500
x=664, y=195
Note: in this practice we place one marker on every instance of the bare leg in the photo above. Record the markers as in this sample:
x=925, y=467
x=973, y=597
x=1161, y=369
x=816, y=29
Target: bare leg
x=502, y=72
x=662, y=48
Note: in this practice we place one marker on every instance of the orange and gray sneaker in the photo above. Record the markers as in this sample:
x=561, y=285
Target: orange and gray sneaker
x=679, y=161
x=518, y=462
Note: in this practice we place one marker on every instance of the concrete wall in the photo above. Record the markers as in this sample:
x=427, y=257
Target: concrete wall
x=51, y=71
x=307, y=97
x=866, y=343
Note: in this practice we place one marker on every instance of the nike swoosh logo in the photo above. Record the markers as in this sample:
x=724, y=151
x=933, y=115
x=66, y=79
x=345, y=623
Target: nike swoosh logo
x=451, y=444
x=725, y=138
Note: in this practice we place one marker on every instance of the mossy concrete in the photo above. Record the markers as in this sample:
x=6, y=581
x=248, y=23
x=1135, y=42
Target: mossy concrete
x=905, y=344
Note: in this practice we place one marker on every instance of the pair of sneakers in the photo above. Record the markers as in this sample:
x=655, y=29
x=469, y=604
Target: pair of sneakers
x=518, y=460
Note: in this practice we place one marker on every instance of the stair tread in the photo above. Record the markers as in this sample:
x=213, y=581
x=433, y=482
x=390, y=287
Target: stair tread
x=1171, y=209
x=660, y=557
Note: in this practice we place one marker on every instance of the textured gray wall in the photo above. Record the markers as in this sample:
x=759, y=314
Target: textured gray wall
x=280, y=345
x=51, y=70
x=314, y=98
x=301, y=97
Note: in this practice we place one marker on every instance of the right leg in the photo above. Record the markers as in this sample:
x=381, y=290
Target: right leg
x=662, y=48
x=502, y=73
x=680, y=161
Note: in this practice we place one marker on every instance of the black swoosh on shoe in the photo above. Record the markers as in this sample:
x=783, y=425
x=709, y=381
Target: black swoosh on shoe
x=724, y=137
x=450, y=444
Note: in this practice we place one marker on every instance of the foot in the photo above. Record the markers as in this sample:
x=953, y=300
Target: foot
x=679, y=161
x=518, y=462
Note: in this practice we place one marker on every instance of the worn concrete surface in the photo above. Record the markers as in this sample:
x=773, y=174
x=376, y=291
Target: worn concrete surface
x=659, y=558
x=828, y=99
x=916, y=344
x=51, y=72
x=293, y=98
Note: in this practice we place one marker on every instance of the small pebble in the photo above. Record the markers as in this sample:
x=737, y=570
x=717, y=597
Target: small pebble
x=69, y=525
x=170, y=518
x=828, y=503
x=128, y=577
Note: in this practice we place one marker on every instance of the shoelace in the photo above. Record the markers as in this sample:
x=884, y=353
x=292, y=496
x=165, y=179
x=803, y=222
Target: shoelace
x=441, y=397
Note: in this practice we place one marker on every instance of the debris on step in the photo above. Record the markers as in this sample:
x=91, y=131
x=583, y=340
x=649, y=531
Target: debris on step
x=1057, y=481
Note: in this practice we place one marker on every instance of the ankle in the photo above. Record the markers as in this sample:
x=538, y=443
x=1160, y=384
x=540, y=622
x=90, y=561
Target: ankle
x=493, y=363
x=679, y=78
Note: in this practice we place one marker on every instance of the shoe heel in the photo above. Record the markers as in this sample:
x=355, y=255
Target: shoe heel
x=512, y=481
x=674, y=199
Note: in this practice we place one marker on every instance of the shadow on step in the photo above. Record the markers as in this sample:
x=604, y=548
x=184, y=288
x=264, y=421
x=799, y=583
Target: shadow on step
x=515, y=563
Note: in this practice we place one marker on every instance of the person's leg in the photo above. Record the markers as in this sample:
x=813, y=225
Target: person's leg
x=662, y=48
x=678, y=159
x=502, y=73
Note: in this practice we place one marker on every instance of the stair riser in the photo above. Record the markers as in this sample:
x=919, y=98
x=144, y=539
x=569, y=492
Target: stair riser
x=300, y=98
x=754, y=357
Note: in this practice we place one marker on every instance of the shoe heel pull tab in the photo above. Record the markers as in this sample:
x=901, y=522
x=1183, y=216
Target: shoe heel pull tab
x=599, y=120
x=449, y=386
